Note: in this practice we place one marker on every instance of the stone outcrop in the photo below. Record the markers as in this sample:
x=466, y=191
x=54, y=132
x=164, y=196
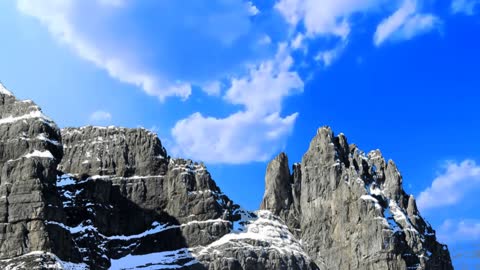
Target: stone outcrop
x=351, y=210
x=30, y=149
x=282, y=191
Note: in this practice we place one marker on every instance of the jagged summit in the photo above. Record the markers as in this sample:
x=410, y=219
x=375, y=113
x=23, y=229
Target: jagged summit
x=112, y=198
x=350, y=208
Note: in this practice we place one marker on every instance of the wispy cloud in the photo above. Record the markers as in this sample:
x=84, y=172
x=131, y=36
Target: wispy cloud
x=451, y=187
x=334, y=18
x=405, y=24
x=100, y=116
x=331, y=17
x=164, y=61
x=467, y=7
x=455, y=231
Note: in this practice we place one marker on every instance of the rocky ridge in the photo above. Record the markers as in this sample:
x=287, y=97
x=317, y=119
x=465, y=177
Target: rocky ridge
x=112, y=198
x=350, y=210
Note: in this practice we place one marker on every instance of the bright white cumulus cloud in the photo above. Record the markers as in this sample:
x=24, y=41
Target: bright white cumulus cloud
x=254, y=133
x=451, y=187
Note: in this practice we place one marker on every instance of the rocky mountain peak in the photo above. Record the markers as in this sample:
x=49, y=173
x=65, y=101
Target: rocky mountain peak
x=352, y=211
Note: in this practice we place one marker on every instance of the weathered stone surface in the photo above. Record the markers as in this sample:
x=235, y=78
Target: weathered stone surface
x=353, y=211
x=30, y=150
x=121, y=152
x=282, y=191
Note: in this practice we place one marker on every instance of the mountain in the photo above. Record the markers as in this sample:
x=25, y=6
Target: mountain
x=349, y=209
x=112, y=198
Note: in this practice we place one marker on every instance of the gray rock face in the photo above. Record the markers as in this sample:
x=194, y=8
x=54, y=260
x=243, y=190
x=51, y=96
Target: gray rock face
x=30, y=150
x=112, y=151
x=138, y=200
x=353, y=212
x=173, y=204
x=282, y=191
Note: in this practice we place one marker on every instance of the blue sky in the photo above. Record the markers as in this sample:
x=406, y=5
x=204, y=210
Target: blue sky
x=234, y=82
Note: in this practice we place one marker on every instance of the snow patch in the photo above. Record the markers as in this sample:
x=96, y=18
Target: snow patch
x=42, y=137
x=372, y=199
x=154, y=261
x=55, y=264
x=399, y=216
x=156, y=228
x=266, y=228
x=4, y=90
x=32, y=115
x=40, y=154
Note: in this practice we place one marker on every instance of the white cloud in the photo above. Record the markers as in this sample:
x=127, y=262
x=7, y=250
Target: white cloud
x=454, y=231
x=266, y=40
x=164, y=61
x=331, y=17
x=252, y=9
x=405, y=24
x=451, y=186
x=297, y=42
x=100, y=116
x=328, y=56
x=212, y=88
x=263, y=90
x=256, y=132
x=467, y=7
x=335, y=18
x=239, y=138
